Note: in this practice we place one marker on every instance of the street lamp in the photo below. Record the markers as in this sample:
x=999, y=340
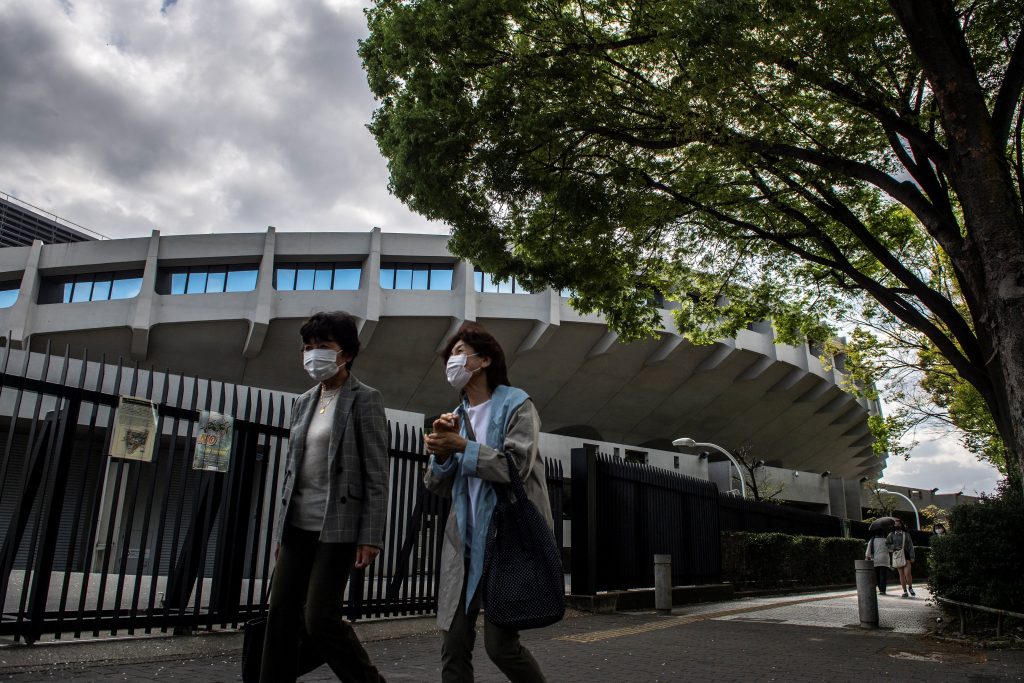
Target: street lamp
x=685, y=442
x=917, y=518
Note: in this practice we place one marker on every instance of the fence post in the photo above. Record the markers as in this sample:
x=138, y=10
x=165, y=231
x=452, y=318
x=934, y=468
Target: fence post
x=663, y=583
x=584, y=521
x=867, y=600
x=52, y=491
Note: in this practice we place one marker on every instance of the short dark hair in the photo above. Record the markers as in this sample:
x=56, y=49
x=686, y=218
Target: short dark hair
x=336, y=326
x=484, y=343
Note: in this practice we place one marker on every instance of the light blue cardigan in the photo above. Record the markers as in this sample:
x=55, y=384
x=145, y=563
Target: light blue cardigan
x=504, y=401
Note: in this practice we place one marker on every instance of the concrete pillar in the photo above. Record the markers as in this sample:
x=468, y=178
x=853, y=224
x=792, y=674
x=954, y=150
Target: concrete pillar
x=867, y=599
x=265, y=296
x=369, y=286
x=142, y=310
x=28, y=294
x=663, y=584
x=463, y=300
x=546, y=324
x=837, y=498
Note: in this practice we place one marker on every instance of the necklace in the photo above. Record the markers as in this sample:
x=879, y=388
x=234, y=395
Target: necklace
x=329, y=396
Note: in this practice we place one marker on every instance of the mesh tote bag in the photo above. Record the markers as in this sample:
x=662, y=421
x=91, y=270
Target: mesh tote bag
x=523, y=586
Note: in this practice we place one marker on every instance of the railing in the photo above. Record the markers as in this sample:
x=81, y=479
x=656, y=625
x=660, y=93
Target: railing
x=962, y=607
x=625, y=513
x=111, y=546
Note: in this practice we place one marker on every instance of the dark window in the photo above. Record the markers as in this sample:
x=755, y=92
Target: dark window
x=316, y=276
x=9, y=293
x=208, y=279
x=489, y=284
x=69, y=289
x=639, y=457
x=423, y=276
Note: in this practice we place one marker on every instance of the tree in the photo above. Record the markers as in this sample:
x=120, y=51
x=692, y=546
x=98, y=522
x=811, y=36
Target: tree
x=932, y=515
x=920, y=386
x=761, y=486
x=784, y=160
x=880, y=504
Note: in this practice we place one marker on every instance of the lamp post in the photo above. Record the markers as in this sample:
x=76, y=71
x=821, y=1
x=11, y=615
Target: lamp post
x=685, y=442
x=917, y=517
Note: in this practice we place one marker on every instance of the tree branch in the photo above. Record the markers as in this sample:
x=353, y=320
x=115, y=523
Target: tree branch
x=878, y=110
x=1008, y=98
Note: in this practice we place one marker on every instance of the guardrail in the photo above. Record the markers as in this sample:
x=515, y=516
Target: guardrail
x=961, y=606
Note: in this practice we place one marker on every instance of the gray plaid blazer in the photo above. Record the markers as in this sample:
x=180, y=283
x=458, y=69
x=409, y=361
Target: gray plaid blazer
x=357, y=494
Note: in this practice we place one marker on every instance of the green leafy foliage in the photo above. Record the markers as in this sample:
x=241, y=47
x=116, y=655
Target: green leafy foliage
x=981, y=560
x=767, y=560
x=750, y=161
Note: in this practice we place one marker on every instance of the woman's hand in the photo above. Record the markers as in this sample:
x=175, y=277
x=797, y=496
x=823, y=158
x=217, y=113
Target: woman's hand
x=448, y=422
x=442, y=445
x=365, y=555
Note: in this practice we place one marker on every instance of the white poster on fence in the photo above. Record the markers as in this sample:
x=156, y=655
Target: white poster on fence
x=213, y=442
x=135, y=433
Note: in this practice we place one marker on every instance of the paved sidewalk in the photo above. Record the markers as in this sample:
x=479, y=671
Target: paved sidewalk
x=809, y=638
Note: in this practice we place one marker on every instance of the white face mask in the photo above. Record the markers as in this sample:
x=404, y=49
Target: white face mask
x=458, y=374
x=321, y=364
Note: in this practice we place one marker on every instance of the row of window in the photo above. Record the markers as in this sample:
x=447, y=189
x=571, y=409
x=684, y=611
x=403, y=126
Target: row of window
x=242, y=278
x=71, y=289
x=289, y=277
x=207, y=280
x=436, y=276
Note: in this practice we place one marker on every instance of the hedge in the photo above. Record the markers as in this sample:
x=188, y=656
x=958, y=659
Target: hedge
x=981, y=560
x=769, y=560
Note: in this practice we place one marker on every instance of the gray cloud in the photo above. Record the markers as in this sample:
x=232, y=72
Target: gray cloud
x=194, y=117
x=938, y=460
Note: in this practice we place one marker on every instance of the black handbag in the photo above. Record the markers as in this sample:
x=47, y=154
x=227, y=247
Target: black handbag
x=523, y=584
x=253, y=634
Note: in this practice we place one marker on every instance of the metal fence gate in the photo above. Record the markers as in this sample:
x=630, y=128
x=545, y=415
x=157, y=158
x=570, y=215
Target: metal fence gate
x=97, y=545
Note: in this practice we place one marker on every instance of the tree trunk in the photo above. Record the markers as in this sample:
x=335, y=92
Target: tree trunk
x=990, y=259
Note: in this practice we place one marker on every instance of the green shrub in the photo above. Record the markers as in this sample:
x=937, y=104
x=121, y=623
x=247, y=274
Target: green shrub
x=922, y=562
x=754, y=560
x=981, y=560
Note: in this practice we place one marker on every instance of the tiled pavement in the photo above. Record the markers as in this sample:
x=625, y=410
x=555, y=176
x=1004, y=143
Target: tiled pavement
x=793, y=638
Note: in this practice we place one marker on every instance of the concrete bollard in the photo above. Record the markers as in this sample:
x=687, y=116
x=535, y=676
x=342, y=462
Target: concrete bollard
x=867, y=599
x=663, y=584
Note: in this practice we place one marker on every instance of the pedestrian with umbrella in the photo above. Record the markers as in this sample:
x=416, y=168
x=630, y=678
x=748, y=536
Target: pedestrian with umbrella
x=878, y=550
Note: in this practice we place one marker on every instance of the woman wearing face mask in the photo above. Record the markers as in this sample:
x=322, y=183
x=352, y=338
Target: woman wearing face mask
x=333, y=506
x=468, y=451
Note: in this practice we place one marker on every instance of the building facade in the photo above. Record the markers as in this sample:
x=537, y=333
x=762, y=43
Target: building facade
x=228, y=308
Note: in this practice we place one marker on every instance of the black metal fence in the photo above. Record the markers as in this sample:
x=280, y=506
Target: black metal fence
x=624, y=513
x=99, y=545
x=738, y=514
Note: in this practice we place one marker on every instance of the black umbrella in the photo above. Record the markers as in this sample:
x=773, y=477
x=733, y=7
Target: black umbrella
x=882, y=523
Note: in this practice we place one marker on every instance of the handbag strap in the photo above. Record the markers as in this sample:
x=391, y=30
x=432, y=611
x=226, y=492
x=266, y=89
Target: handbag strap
x=514, y=480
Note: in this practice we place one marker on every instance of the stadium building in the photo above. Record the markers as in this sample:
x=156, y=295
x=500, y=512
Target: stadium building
x=228, y=307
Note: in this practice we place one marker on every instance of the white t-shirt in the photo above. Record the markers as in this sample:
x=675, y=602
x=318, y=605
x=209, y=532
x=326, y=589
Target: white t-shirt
x=479, y=416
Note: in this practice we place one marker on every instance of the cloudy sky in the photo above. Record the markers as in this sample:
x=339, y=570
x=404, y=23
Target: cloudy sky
x=194, y=116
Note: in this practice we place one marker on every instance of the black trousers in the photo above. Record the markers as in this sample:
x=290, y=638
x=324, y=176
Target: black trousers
x=883, y=577
x=502, y=646
x=309, y=583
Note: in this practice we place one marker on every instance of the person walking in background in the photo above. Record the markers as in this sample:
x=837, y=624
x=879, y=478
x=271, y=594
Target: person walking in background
x=878, y=552
x=334, y=507
x=902, y=546
x=468, y=452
